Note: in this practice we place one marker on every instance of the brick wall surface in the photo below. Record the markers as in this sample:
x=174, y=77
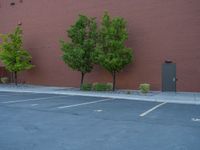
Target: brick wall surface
x=158, y=30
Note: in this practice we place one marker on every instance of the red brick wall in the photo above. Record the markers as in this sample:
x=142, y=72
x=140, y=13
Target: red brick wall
x=158, y=30
x=3, y=72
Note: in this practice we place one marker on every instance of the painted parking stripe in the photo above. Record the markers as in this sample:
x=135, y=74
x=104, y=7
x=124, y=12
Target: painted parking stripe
x=33, y=99
x=196, y=119
x=152, y=109
x=34, y=105
x=81, y=104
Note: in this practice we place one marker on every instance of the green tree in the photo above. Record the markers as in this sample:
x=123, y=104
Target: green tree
x=12, y=54
x=111, y=52
x=77, y=53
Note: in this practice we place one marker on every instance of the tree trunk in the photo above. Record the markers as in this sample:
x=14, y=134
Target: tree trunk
x=12, y=77
x=82, y=78
x=15, y=74
x=114, y=80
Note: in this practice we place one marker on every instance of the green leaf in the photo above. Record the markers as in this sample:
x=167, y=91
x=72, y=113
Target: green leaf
x=77, y=53
x=111, y=52
x=12, y=54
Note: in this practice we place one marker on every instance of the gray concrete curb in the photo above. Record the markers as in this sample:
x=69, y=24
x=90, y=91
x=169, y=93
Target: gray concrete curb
x=174, y=98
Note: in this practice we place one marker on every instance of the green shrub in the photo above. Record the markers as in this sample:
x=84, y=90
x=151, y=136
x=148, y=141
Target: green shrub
x=109, y=86
x=144, y=88
x=128, y=92
x=102, y=86
x=86, y=87
x=4, y=80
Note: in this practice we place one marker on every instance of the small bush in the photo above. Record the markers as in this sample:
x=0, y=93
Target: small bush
x=4, y=80
x=86, y=87
x=128, y=92
x=102, y=86
x=144, y=88
x=109, y=86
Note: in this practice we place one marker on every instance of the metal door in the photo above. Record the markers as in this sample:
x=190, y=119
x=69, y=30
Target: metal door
x=169, y=77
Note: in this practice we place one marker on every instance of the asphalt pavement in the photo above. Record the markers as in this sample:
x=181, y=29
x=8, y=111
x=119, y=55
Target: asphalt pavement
x=36, y=121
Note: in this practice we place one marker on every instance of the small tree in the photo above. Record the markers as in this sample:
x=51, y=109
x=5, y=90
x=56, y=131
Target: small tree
x=77, y=53
x=12, y=54
x=111, y=52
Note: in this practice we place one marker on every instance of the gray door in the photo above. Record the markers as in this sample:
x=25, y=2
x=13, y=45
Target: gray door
x=169, y=77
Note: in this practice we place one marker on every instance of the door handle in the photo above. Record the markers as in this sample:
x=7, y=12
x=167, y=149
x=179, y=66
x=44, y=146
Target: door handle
x=174, y=79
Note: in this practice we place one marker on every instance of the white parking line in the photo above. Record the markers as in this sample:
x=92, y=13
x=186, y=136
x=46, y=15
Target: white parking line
x=34, y=105
x=33, y=99
x=152, y=109
x=196, y=119
x=98, y=110
x=81, y=104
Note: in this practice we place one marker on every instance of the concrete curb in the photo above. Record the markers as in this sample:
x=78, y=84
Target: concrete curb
x=103, y=95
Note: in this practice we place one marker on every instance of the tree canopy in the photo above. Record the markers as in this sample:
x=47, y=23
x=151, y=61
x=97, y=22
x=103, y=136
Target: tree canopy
x=12, y=54
x=111, y=52
x=77, y=53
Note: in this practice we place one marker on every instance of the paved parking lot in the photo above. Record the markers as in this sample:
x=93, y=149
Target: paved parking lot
x=60, y=122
